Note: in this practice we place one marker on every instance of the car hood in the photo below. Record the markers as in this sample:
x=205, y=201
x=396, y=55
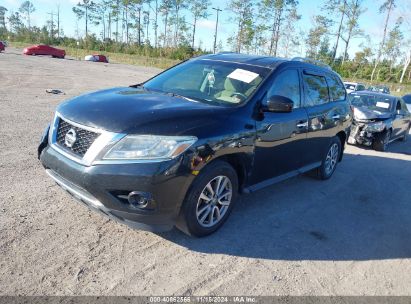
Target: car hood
x=365, y=113
x=135, y=110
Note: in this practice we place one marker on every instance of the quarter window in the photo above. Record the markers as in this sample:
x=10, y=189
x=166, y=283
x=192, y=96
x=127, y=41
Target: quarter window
x=287, y=84
x=337, y=90
x=316, y=90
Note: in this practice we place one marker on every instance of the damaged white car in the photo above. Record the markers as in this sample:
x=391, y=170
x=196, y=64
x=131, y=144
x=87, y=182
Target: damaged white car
x=378, y=119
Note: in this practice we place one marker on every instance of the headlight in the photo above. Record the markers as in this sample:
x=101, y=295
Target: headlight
x=149, y=147
x=376, y=127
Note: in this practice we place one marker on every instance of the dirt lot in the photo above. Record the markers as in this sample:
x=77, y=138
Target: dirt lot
x=346, y=236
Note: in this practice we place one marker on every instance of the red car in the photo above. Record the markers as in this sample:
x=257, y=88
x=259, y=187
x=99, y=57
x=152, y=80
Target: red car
x=44, y=50
x=96, y=58
x=2, y=46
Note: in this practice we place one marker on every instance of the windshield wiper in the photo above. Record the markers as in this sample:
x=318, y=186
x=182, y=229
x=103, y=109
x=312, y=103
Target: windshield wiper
x=182, y=96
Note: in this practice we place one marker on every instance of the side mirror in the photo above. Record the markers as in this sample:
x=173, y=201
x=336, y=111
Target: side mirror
x=279, y=104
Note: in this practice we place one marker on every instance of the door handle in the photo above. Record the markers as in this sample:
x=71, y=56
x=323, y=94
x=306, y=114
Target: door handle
x=336, y=116
x=302, y=124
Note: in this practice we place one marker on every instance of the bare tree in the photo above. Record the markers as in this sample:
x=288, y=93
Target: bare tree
x=3, y=11
x=243, y=13
x=26, y=9
x=339, y=8
x=165, y=9
x=352, y=28
x=387, y=6
x=85, y=9
x=406, y=65
x=199, y=10
x=274, y=11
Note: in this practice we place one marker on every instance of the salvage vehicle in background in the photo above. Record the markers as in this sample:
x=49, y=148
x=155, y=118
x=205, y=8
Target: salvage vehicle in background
x=2, y=46
x=44, y=50
x=378, y=119
x=353, y=86
x=179, y=148
x=96, y=58
x=407, y=100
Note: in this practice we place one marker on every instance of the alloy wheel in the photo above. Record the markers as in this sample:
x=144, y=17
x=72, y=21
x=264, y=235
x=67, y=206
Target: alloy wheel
x=214, y=201
x=331, y=159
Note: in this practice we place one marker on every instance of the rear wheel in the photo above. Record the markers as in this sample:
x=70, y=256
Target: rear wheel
x=210, y=200
x=380, y=143
x=330, y=160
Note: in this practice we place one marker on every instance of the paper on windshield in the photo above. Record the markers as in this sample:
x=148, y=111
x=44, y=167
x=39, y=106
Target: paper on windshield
x=384, y=105
x=243, y=75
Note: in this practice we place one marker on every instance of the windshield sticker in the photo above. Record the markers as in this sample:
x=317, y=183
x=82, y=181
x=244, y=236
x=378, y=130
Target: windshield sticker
x=243, y=75
x=384, y=105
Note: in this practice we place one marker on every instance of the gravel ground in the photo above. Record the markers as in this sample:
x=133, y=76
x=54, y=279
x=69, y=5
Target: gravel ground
x=346, y=236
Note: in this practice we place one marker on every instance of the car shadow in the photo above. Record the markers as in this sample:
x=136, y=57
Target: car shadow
x=397, y=146
x=362, y=213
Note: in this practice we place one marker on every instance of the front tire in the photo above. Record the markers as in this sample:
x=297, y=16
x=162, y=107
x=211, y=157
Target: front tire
x=405, y=136
x=380, y=143
x=209, y=200
x=330, y=160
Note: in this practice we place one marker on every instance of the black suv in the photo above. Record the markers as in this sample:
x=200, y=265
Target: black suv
x=179, y=148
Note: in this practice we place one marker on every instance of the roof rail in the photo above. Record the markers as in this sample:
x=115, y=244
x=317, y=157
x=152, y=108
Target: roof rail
x=312, y=61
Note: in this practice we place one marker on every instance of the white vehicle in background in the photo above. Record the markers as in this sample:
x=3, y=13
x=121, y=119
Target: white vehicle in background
x=353, y=87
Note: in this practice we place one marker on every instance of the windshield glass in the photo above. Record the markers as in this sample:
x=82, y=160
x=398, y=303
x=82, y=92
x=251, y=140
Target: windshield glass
x=373, y=102
x=208, y=81
x=407, y=99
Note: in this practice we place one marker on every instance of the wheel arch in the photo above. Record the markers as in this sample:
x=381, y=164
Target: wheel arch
x=343, y=137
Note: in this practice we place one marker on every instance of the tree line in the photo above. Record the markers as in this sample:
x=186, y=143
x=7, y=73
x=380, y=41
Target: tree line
x=264, y=27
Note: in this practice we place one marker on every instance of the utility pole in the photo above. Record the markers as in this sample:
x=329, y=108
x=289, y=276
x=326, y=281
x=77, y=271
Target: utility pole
x=58, y=21
x=216, y=27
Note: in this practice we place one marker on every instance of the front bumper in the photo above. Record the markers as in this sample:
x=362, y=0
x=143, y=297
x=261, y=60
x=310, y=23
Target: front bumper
x=102, y=188
x=359, y=135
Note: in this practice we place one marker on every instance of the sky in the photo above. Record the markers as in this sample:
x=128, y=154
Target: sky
x=371, y=21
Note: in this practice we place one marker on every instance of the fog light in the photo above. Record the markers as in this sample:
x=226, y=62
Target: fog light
x=138, y=199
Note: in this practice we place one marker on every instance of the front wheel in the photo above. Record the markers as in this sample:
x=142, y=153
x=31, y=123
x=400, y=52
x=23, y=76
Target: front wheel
x=330, y=160
x=381, y=141
x=405, y=136
x=210, y=200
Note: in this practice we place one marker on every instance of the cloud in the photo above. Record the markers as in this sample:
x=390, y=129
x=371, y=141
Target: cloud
x=206, y=24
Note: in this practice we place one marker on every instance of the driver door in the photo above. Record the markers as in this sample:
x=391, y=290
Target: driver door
x=281, y=136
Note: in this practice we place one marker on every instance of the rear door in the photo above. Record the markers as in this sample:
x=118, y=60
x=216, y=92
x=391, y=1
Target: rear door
x=281, y=136
x=324, y=115
x=401, y=121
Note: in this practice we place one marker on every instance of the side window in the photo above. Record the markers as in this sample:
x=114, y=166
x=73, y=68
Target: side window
x=337, y=90
x=316, y=90
x=287, y=84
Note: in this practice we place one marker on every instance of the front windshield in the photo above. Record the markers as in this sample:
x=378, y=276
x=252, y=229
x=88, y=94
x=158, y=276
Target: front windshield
x=210, y=81
x=373, y=102
x=350, y=86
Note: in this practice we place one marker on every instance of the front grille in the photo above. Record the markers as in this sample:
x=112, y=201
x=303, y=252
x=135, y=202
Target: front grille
x=84, y=138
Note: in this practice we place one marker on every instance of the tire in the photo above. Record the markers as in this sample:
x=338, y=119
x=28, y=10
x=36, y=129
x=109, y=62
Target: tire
x=330, y=159
x=380, y=143
x=405, y=136
x=199, y=208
